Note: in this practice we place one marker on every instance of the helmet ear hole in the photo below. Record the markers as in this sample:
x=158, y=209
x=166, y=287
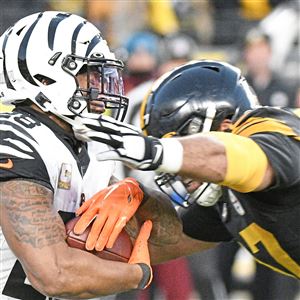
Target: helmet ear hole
x=44, y=79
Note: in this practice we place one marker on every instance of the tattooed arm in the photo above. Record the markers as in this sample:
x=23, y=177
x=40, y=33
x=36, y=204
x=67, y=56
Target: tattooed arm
x=36, y=234
x=168, y=240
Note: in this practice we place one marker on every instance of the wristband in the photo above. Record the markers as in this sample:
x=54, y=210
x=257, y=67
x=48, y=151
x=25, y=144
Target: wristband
x=146, y=279
x=172, y=156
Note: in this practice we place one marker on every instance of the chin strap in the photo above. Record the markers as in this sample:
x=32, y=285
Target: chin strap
x=209, y=117
x=75, y=122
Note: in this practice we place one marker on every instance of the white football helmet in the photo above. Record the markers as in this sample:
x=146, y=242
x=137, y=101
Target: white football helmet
x=41, y=56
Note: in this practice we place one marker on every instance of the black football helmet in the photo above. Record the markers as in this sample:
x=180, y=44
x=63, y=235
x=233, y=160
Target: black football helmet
x=192, y=98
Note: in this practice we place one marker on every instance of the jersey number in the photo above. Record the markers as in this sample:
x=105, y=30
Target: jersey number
x=253, y=234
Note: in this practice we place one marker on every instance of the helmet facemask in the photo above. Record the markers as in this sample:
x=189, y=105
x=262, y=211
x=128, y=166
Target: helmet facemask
x=180, y=192
x=175, y=186
x=102, y=85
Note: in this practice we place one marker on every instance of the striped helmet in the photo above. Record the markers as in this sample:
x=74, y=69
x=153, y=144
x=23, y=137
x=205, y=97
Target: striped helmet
x=42, y=54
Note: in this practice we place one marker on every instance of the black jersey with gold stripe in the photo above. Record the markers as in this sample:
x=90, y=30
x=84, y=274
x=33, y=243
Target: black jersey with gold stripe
x=267, y=223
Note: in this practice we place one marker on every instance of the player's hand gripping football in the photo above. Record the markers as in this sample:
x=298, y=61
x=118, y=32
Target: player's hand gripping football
x=140, y=254
x=126, y=142
x=111, y=208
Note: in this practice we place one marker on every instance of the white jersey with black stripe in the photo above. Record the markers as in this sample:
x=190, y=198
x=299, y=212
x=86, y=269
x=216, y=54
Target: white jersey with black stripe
x=42, y=154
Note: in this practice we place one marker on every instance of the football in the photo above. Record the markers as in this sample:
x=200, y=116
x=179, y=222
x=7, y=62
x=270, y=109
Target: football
x=121, y=250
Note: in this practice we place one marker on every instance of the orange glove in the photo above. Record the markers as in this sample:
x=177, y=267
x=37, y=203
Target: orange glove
x=111, y=208
x=140, y=254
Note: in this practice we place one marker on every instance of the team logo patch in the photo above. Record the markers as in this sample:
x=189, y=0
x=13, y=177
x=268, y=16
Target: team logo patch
x=65, y=176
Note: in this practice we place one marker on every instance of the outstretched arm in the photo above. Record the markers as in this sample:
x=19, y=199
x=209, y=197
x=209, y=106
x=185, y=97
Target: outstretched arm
x=224, y=158
x=36, y=234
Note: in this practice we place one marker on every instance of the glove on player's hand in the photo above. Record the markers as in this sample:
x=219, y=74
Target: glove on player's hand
x=127, y=144
x=140, y=254
x=111, y=208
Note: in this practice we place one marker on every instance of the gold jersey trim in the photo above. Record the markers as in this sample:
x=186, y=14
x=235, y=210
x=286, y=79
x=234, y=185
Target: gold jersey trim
x=258, y=124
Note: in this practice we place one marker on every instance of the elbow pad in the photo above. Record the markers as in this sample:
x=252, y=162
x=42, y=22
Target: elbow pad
x=246, y=162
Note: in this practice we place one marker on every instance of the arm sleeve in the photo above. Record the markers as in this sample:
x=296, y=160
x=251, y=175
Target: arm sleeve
x=246, y=162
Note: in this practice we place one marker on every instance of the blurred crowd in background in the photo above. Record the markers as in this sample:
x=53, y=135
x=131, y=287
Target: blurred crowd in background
x=151, y=37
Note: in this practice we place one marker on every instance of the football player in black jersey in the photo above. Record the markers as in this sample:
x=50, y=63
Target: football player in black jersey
x=55, y=67
x=248, y=163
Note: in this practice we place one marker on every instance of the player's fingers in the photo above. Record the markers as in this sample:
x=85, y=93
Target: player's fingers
x=140, y=251
x=116, y=231
x=145, y=231
x=88, y=203
x=105, y=232
x=95, y=231
x=85, y=220
x=83, y=207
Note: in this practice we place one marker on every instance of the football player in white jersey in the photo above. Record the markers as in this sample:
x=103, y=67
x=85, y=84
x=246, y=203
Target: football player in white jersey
x=55, y=67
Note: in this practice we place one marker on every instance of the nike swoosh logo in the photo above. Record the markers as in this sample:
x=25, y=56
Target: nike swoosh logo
x=157, y=154
x=8, y=165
